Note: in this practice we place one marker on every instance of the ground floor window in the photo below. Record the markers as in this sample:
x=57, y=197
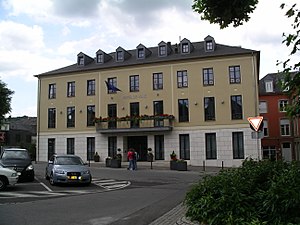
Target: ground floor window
x=210, y=146
x=51, y=147
x=90, y=141
x=269, y=152
x=112, y=146
x=159, y=147
x=238, y=145
x=71, y=146
x=184, y=146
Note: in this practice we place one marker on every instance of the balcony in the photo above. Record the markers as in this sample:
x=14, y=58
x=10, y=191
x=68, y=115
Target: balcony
x=135, y=124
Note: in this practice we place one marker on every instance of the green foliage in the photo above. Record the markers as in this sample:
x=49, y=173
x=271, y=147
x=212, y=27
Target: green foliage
x=257, y=193
x=225, y=12
x=292, y=73
x=5, y=100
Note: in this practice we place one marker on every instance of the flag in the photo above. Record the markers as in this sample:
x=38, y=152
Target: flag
x=111, y=87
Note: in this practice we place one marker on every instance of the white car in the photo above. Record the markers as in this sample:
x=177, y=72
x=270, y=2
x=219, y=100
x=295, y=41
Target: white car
x=7, y=177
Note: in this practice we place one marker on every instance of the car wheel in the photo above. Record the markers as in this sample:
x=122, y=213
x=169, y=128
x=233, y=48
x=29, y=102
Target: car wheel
x=3, y=184
x=51, y=179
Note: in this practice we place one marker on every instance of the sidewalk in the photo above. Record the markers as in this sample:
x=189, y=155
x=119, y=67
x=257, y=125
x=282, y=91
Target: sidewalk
x=175, y=216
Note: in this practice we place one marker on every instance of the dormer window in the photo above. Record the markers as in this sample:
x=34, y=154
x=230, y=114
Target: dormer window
x=269, y=86
x=162, y=50
x=100, y=58
x=209, y=44
x=120, y=56
x=83, y=59
x=80, y=60
x=141, y=53
x=185, y=48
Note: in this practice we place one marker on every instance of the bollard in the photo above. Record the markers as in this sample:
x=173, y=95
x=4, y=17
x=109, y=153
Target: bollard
x=203, y=165
x=222, y=164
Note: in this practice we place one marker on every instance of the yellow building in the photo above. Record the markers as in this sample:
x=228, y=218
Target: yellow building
x=190, y=98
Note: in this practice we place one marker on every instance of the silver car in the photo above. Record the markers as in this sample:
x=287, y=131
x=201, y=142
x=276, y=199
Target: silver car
x=67, y=169
x=7, y=177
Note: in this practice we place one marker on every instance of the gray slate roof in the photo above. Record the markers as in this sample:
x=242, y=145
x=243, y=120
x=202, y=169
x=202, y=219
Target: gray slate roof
x=197, y=53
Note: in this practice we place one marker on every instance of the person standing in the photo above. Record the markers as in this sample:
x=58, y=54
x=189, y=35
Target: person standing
x=130, y=157
x=135, y=158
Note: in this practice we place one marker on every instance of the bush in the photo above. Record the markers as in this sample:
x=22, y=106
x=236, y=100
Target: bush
x=257, y=193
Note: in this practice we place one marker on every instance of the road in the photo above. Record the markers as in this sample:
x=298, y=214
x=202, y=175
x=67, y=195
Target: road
x=116, y=197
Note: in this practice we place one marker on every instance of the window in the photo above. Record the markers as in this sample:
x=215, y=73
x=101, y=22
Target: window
x=141, y=53
x=100, y=58
x=51, y=147
x=265, y=129
x=263, y=108
x=184, y=146
x=183, y=109
x=159, y=147
x=134, y=83
x=284, y=127
x=90, y=120
x=236, y=107
x=120, y=56
x=112, y=146
x=90, y=141
x=269, y=86
x=185, y=48
x=134, y=111
x=269, y=152
x=71, y=116
x=157, y=81
x=112, y=113
x=70, y=146
x=209, y=108
x=113, y=83
x=162, y=50
x=238, y=145
x=210, y=146
x=52, y=91
x=51, y=117
x=209, y=45
x=91, y=87
x=158, y=109
x=282, y=105
x=71, y=89
x=182, y=79
x=81, y=60
x=234, y=74
x=208, y=76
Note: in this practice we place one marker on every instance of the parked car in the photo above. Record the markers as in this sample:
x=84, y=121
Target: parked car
x=67, y=169
x=19, y=160
x=7, y=177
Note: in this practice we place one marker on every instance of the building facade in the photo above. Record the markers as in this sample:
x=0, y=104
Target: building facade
x=190, y=98
x=281, y=134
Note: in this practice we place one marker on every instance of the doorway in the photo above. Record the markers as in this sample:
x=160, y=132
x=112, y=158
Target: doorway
x=139, y=143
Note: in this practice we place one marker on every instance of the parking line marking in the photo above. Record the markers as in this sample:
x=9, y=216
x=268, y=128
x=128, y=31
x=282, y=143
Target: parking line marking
x=44, y=185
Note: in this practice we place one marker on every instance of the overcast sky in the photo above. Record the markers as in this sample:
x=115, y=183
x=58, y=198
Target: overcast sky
x=37, y=36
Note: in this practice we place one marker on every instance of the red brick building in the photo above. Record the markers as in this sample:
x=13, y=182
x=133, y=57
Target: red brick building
x=281, y=134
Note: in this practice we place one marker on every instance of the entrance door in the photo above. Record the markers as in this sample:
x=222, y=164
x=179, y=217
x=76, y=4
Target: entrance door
x=287, y=151
x=139, y=143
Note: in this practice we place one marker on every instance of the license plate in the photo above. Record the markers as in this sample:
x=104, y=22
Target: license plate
x=72, y=177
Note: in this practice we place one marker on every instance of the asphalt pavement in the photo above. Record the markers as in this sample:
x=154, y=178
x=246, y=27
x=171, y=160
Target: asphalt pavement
x=175, y=216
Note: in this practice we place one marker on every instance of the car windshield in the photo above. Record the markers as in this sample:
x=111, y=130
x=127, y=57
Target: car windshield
x=15, y=155
x=68, y=161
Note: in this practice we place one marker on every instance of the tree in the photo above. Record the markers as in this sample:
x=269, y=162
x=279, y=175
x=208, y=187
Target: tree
x=5, y=100
x=226, y=12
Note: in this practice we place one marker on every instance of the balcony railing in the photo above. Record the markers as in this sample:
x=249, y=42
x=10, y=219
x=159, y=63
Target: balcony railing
x=135, y=125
